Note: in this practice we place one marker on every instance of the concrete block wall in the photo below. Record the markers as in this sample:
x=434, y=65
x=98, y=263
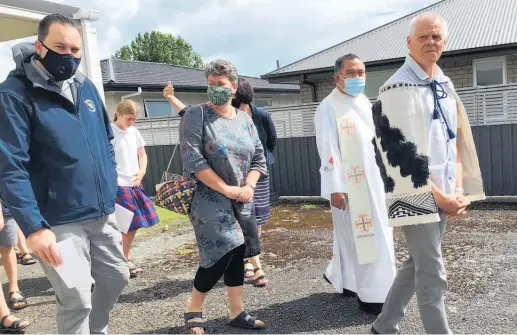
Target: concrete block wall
x=305, y=94
x=461, y=73
x=323, y=88
x=511, y=68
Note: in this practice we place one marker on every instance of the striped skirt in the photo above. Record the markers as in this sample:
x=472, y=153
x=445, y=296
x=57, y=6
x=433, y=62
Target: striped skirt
x=137, y=201
x=262, y=210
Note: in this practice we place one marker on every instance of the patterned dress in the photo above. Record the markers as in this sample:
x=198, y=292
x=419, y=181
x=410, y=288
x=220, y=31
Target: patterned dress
x=231, y=148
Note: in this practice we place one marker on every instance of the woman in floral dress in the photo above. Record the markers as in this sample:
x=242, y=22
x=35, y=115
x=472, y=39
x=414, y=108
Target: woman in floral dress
x=221, y=148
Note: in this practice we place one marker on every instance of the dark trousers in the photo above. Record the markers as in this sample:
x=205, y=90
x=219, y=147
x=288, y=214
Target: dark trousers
x=230, y=265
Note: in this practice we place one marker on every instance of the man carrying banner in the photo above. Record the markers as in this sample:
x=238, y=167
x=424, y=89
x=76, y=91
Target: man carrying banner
x=363, y=262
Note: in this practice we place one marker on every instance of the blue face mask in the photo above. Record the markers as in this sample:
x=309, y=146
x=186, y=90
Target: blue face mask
x=354, y=86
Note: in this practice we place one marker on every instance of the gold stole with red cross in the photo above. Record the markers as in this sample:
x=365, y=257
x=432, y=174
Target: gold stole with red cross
x=348, y=125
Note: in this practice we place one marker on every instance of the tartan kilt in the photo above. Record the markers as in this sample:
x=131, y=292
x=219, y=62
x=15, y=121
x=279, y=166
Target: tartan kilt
x=137, y=201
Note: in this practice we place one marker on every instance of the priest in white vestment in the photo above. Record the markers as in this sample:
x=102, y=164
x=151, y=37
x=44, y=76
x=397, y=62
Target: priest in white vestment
x=363, y=262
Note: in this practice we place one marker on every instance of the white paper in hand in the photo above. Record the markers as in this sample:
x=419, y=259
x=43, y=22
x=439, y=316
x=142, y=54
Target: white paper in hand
x=74, y=270
x=123, y=217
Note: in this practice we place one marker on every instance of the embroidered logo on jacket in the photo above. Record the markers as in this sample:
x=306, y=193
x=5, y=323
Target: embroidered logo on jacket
x=90, y=105
x=330, y=165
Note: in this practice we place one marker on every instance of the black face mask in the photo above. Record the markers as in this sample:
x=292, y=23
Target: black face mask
x=60, y=66
x=236, y=103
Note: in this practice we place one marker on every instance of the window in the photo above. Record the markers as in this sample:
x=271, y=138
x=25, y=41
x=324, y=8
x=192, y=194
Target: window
x=489, y=71
x=159, y=108
x=263, y=102
x=374, y=80
x=491, y=103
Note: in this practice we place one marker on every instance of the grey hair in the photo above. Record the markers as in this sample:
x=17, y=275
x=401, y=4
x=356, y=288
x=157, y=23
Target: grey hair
x=341, y=60
x=47, y=21
x=430, y=15
x=222, y=67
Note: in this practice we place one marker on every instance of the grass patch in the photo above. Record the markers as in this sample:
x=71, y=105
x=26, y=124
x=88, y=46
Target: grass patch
x=166, y=216
x=184, y=251
x=308, y=206
x=169, y=220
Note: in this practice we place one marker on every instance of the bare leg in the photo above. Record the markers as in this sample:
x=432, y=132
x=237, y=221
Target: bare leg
x=4, y=311
x=22, y=244
x=23, y=251
x=237, y=304
x=127, y=242
x=10, y=266
x=255, y=261
x=196, y=305
x=11, y=269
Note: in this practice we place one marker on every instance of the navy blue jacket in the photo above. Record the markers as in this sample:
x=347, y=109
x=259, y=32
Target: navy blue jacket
x=5, y=210
x=265, y=128
x=57, y=164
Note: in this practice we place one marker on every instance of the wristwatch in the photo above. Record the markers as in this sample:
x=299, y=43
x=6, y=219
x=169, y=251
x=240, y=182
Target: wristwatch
x=459, y=190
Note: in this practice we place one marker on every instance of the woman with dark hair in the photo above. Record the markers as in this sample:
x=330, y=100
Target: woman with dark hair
x=267, y=134
x=243, y=99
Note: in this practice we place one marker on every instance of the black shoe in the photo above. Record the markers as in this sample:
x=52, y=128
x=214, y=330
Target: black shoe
x=373, y=331
x=370, y=307
x=346, y=293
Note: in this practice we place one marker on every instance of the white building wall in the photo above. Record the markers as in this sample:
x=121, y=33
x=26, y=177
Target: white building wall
x=113, y=98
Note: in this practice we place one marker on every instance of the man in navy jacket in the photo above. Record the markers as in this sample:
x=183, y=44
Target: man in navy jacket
x=57, y=171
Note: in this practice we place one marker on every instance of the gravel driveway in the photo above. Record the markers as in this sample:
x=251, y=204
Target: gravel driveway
x=480, y=251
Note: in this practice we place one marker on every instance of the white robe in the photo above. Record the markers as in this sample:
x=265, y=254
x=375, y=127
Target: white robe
x=370, y=281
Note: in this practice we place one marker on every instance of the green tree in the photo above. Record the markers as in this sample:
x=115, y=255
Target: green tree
x=160, y=47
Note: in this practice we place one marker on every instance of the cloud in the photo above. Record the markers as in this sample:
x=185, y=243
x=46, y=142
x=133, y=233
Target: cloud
x=6, y=55
x=118, y=10
x=167, y=28
x=220, y=55
x=252, y=34
x=255, y=33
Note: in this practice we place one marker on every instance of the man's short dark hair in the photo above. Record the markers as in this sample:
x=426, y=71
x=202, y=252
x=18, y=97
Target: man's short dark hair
x=244, y=92
x=51, y=19
x=341, y=60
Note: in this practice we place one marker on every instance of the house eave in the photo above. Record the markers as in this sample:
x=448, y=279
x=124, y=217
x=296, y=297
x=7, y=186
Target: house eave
x=118, y=87
x=486, y=51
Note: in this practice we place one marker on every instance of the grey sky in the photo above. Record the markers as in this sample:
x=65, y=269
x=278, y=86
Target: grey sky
x=252, y=34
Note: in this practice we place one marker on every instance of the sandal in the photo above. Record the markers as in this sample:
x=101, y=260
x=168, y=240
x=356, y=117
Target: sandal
x=190, y=325
x=134, y=270
x=26, y=259
x=17, y=301
x=15, y=327
x=244, y=320
x=260, y=281
x=248, y=272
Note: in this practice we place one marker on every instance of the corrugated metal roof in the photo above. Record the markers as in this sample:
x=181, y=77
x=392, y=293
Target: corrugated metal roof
x=123, y=73
x=471, y=23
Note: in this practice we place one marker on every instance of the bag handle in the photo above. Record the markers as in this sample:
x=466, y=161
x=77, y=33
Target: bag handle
x=177, y=144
